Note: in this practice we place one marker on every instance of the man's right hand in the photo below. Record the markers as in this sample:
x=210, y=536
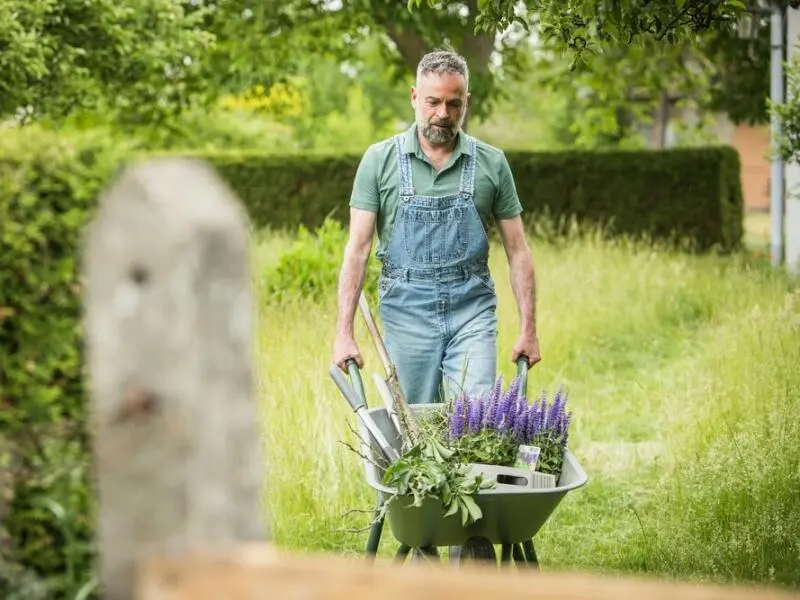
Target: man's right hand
x=344, y=348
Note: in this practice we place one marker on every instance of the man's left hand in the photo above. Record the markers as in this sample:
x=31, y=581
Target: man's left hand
x=527, y=345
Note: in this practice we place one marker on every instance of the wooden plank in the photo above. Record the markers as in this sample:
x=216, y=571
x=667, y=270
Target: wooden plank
x=169, y=331
x=261, y=573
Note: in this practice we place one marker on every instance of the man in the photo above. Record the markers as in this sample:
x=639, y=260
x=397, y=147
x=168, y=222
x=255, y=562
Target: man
x=431, y=193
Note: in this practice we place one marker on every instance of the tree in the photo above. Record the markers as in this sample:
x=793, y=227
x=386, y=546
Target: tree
x=136, y=60
x=615, y=86
x=272, y=39
x=611, y=96
x=788, y=114
x=739, y=85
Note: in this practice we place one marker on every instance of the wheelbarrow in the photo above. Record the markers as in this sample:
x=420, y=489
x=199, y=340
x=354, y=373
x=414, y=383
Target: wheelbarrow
x=512, y=515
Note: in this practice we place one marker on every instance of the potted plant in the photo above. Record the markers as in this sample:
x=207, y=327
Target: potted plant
x=501, y=429
x=478, y=441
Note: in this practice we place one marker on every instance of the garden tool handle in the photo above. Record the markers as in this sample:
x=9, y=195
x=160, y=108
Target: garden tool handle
x=366, y=312
x=355, y=400
x=523, y=363
x=355, y=379
x=359, y=406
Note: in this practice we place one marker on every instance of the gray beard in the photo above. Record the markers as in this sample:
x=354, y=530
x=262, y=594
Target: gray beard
x=436, y=135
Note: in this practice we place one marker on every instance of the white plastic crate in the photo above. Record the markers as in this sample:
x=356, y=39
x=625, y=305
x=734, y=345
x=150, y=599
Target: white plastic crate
x=510, y=478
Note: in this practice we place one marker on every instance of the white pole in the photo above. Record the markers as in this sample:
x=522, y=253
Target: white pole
x=777, y=167
x=792, y=216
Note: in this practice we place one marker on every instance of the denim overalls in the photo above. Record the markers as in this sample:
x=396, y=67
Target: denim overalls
x=437, y=298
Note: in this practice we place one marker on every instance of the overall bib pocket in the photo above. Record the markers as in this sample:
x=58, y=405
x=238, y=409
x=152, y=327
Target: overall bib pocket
x=435, y=235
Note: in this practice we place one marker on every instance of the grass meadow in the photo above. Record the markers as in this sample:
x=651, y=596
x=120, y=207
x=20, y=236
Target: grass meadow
x=683, y=373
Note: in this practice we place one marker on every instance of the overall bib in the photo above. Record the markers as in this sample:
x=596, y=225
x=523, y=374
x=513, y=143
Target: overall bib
x=437, y=298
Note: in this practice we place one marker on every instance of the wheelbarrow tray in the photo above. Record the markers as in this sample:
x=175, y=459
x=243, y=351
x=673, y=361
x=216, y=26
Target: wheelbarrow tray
x=511, y=514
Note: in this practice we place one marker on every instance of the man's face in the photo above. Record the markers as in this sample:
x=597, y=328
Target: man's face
x=440, y=105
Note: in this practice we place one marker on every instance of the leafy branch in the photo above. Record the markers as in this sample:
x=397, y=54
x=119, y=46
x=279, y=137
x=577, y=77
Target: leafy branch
x=428, y=470
x=581, y=25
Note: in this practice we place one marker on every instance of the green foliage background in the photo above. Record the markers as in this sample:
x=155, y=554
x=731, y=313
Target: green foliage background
x=48, y=188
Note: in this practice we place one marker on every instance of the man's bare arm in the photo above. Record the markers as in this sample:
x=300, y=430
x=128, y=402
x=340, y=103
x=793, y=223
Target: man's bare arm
x=523, y=284
x=351, y=282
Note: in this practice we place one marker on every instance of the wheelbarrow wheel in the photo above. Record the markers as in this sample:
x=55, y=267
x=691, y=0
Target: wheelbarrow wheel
x=476, y=548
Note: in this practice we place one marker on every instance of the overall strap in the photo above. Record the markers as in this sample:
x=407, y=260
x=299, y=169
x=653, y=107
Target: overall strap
x=404, y=168
x=468, y=170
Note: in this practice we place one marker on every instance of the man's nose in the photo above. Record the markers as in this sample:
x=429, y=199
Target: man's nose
x=441, y=111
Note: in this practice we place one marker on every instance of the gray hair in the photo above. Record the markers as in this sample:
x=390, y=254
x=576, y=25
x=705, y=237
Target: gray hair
x=441, y=62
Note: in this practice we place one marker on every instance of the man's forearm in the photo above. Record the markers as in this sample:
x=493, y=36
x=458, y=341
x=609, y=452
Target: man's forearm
x=523, y=284
x=351, y=281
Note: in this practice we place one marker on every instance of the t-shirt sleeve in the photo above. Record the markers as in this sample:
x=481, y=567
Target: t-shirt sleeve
x=365, y=193
x=507, y=203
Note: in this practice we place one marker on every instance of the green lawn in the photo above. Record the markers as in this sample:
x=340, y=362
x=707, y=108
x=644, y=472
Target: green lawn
x=684, y=376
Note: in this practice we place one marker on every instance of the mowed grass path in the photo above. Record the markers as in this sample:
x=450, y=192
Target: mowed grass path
x=683, y=373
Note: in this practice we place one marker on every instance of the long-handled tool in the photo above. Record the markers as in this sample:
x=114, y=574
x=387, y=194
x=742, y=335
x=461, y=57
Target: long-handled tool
x=358, y=403
x=390, y=386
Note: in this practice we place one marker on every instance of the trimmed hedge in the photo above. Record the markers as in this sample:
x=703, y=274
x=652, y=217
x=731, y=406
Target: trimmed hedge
x=692, y=196
x=286, y=191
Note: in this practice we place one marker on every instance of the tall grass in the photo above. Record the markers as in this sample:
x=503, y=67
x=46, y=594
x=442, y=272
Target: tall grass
x=684, y=376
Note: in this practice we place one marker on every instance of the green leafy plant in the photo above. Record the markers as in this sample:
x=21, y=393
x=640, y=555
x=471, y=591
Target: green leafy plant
x=488, y=447
x=310, y=268
x=431, y=470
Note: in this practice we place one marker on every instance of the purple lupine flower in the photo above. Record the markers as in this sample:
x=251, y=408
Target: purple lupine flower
x=522, y=408
x=546, y=410
x=536, y=420
x=530, y=417
x=565, y=429
x=457, y=417
x=521, y=422
x=490, y=411
x=561, y=414
x=554, y=413
x=504, y=419
x=475, y=413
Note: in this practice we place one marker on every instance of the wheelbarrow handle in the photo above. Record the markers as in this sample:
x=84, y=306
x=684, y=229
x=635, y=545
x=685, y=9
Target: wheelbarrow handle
x=523, y=364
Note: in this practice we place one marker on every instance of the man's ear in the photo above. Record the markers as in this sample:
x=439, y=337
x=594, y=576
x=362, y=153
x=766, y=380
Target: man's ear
x=413, y=96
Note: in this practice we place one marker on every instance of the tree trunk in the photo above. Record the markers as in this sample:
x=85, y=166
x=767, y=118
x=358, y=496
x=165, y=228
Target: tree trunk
x=661, y=121
x=476, y=50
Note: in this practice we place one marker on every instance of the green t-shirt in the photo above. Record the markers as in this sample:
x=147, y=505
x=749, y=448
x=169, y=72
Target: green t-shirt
x=376, y=185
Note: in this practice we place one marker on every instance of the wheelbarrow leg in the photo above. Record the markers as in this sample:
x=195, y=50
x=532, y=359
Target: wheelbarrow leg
x=530, y=554
x=520, y=558
x=402, y=553
x=374, y=539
